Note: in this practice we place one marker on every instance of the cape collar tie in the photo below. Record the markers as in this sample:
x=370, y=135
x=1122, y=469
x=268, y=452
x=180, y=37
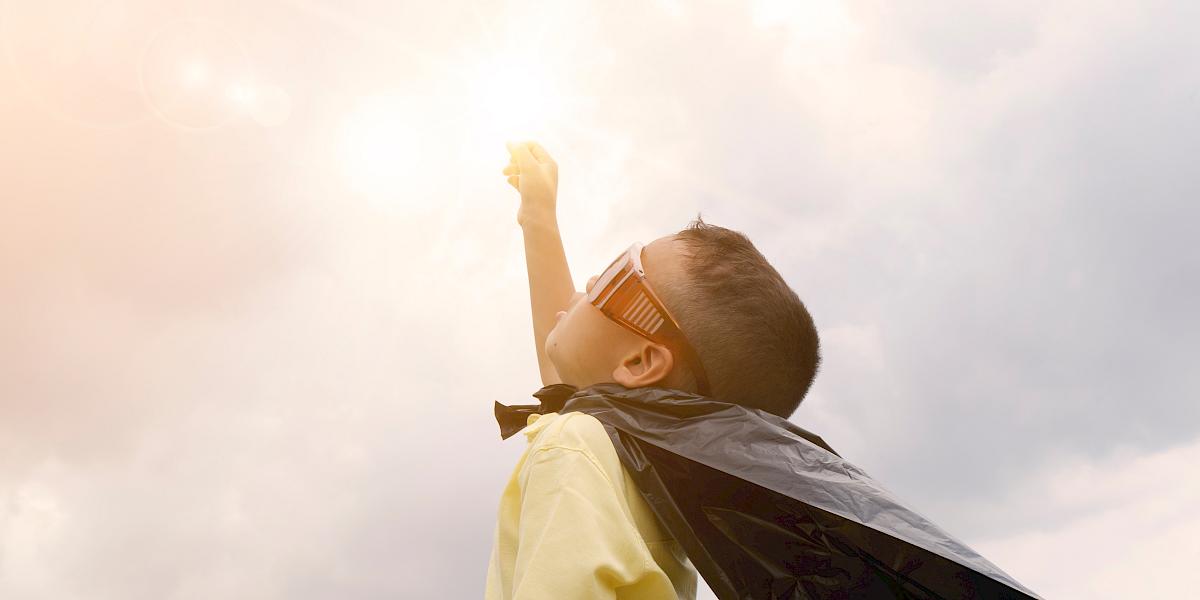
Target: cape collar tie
x=514, y=418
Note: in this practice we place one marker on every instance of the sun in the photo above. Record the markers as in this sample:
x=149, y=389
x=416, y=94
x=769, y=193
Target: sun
x=388, y=142
x=511, y=95
x=522, y=94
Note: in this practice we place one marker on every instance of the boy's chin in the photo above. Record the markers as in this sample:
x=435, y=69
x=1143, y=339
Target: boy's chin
x=567, y=377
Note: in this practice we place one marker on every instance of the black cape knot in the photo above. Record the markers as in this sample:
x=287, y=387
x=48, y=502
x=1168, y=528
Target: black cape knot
x=514, y=418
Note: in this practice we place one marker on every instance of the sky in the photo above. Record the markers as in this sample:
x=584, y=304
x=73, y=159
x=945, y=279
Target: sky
x=263, y=279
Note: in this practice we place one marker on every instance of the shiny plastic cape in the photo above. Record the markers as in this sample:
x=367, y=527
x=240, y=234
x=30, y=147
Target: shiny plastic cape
x=764, y=508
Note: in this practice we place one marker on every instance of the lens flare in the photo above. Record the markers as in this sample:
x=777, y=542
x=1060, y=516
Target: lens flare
x=272, y=106
x=195, y=75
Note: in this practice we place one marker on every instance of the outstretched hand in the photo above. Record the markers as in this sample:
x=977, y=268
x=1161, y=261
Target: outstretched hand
x=533, y=173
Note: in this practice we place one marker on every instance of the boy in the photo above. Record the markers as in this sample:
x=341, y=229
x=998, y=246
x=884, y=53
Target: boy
x=712, y=317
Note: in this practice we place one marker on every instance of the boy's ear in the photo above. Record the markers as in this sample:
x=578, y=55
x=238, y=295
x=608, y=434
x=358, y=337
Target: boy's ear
x=650, y=365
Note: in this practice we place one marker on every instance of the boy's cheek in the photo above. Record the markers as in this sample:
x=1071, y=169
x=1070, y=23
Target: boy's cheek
x=554, y=342
x=556, y=353
x=562, y=338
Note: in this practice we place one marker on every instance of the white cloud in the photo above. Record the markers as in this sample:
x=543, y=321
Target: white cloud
x=1124, y=527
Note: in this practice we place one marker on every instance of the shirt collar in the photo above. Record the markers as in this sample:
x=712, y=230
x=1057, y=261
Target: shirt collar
x=535, y=424
x=516, y=417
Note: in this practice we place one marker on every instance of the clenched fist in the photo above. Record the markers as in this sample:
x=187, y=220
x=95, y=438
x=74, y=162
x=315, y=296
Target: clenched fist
x=535, y=175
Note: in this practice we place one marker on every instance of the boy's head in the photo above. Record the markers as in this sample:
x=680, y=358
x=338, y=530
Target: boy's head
x=753, y=335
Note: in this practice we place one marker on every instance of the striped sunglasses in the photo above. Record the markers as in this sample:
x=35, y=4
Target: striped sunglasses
x=623, y=295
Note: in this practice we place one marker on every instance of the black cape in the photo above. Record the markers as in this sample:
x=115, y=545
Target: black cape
x=766, y=509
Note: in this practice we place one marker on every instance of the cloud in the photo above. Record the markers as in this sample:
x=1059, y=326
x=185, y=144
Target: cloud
x=227, y=373
x=1125, y=527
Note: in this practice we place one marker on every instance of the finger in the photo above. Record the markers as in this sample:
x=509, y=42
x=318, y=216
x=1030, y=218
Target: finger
x=514, y=182
x=521, y=153
x=512, y=170
x=539, y=152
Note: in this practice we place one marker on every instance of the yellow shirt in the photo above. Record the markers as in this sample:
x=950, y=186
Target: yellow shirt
x=573, y=525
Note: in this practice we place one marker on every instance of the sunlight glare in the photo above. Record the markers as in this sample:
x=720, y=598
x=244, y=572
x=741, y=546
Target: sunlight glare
x=510, y=97
x=241, y=95
x=390, y=155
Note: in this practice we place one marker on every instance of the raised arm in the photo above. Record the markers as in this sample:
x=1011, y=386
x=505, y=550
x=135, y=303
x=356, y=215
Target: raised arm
x=535, y=175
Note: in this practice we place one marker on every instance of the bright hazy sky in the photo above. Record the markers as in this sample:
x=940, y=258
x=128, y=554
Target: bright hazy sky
x=262, y=278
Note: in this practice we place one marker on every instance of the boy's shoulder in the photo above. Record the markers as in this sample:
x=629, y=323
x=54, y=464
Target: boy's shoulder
x=574, y=432
x=578, y=434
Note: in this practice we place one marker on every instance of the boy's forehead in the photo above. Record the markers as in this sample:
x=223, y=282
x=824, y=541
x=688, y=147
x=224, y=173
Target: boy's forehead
x=662, y=260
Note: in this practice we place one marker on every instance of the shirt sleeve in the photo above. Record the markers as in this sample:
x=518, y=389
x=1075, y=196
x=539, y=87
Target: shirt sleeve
x=575, y=541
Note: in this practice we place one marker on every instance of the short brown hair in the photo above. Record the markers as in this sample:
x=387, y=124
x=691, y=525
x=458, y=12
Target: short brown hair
x=757, y=342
